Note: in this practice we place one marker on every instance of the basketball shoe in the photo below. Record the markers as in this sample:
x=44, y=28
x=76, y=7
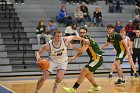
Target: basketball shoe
x=69, y=90
x=94, y=89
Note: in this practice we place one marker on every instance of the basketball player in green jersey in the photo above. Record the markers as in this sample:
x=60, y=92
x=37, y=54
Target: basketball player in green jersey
x=96, y=60
x=121, y=49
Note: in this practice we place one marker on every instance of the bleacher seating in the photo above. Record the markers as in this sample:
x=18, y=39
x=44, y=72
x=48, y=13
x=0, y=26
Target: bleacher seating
x=27, y=17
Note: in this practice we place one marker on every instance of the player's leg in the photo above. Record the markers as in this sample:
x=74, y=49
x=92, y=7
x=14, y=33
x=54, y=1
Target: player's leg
x=119, y=71
x=133, y=66
x=59, y=77
x=113, y=67
x=95, y=86
x=78, y=82
x=45, y=76
x=89, y=76
x=42, y=80
x=60, y=74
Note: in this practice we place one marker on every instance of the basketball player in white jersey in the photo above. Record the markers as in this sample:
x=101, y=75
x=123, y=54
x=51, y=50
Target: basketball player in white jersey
x=58, y=58
x=127, y=41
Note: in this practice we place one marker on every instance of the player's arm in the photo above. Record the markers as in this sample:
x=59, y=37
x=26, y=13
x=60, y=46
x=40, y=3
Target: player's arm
x=83, y=48
x=75, y=56
x=45, y=48
x=129, y=43
x=126, y=47
x=70, y=38
x=105, y=45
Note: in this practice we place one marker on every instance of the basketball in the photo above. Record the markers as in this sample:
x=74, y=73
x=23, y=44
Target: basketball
x=43, y=64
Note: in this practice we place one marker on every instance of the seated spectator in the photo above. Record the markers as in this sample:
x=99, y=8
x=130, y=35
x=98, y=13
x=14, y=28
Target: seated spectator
x=71, y=30
x=137, y=9
x=118, y=6
x=130, y=2
x=137, y=31
x=97, y=16
x=129, y=30
x=72, y=1
x=111, y=8
x=41, y=31
x=51, y=28
x=118, y=26
x=93, y=2
x=63, y=16
x=17, y=1
x=85, y=11
x=136, y=21
x=79, y=16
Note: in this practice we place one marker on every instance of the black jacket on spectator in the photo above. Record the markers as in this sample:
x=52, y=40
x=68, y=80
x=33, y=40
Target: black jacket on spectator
x=84, y=10
x=42, y=29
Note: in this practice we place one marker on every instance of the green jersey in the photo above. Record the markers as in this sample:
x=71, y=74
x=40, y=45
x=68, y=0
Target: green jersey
x=115, y=40
x=93, y=50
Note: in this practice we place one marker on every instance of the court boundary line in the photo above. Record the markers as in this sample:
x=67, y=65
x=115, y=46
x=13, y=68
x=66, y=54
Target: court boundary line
x=7, y=88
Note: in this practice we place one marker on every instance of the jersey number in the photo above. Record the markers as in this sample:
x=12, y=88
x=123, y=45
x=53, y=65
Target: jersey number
x=59, y=54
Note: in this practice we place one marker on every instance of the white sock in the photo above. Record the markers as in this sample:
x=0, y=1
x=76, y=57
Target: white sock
x=36, y=91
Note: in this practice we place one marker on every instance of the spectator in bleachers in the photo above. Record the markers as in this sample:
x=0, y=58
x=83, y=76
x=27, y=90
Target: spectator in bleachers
x=137, y=9
x=111, y=8
x=17, y=1
x=79, y=16
x=130, y=33
x=52, y=27
x=97, y=16
x=118, y=26
x=130, y=2
x=72, y=1
x=137, y=31
x=129, y=30
x=93, y=2
x=108, y=2
x=85, y=11
x=118, y=6
x=63, y=16
x=71, y=30
x=136, y=21
x=41, y=31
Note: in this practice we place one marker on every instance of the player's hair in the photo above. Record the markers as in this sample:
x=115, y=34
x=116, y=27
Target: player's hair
x=110, y=26
x=51, y=21
x=41, y=21
x=123, y=30
x=56, y=31
x=83, y=29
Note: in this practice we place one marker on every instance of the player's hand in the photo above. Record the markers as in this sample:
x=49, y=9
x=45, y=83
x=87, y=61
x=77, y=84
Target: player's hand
x=72, y=59
x=38, y=60
x=114, y=50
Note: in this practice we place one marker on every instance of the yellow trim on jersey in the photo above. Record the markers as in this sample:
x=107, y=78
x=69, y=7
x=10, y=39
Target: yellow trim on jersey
x=121, y=46
x=94, y=55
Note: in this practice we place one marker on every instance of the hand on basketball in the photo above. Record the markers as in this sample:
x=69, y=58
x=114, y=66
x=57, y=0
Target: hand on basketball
x=43, y=64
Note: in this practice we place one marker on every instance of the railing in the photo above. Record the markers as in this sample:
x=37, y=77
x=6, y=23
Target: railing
x=23, y=57
x=4, y=7
x=10, y=17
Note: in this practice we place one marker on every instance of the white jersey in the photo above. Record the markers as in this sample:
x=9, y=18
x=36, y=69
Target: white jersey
x=58, y=54
x=126, y=39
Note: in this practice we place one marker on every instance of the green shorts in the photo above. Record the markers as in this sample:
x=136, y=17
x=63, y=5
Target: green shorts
x=92, y=66
x=120, y=56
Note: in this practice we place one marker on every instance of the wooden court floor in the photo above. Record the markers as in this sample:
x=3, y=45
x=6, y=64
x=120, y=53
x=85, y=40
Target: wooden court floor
x=27, y=84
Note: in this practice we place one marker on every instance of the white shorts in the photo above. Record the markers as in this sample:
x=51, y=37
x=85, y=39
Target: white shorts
x=57, y=66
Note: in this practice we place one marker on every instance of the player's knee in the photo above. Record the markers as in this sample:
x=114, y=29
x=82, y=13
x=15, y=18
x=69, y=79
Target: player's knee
x=58, y=79
x=84, y=71
x=43, y=78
